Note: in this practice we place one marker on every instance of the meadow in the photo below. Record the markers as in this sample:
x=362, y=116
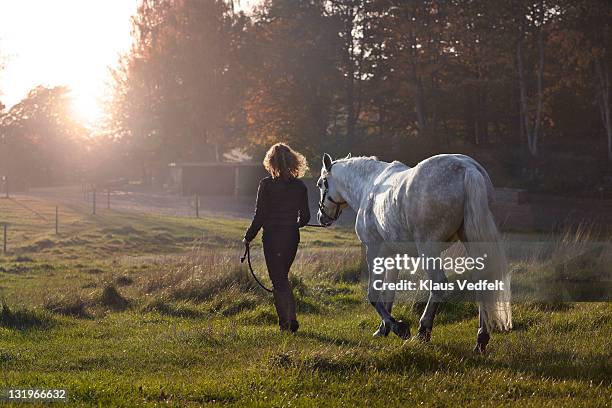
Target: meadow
x=124, y=308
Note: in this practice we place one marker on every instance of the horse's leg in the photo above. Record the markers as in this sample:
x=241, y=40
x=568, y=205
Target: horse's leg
x=400, y=328
x=388, y=323
x=375, y=296
x=388, y=296
x=435, y=275
x=482, y=338
x=382, y=300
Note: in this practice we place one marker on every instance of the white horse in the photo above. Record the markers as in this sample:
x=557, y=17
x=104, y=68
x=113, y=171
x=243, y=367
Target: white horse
x=423, y=210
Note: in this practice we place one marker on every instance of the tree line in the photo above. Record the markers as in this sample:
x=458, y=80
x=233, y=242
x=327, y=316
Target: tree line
x=523, y=86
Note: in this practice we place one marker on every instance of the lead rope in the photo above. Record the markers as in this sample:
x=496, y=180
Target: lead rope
x=247, y=256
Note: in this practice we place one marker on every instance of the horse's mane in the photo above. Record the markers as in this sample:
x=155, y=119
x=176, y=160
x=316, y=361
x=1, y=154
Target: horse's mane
x=357, y=158
x=367, y=163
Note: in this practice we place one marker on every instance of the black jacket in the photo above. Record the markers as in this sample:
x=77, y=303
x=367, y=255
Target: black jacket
x=280, y=203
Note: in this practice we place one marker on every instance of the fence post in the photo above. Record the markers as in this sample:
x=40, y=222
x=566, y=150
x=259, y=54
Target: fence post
x=94, y=201
x=236, y=181
x=56, y=220
x=197, y=205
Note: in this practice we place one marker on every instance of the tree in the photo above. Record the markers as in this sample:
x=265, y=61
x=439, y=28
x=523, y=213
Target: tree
x=353, y=16
x=507, y=82
x=583, y=43
x=43, y=138
x=596, y=17
x=295, y=78
x=412, y=39
x=179, y=91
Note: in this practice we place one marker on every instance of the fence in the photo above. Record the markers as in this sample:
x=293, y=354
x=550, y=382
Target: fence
x=514, y=210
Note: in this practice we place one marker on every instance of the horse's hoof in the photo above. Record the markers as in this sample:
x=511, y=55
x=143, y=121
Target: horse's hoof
x=424, y=335
x=383, y=330
x=481, y=342
x=402, y=329
x=481, y=348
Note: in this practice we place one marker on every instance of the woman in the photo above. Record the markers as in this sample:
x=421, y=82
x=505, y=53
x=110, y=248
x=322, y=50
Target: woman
x=281, y=209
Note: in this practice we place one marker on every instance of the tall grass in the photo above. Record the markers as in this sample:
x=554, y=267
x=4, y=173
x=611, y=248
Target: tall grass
x=574, y=265
x=196, y=276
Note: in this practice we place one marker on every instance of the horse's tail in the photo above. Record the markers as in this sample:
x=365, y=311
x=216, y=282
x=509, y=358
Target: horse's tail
x=483, y=238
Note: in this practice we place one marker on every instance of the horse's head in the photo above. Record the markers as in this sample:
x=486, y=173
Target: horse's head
x=331, y=203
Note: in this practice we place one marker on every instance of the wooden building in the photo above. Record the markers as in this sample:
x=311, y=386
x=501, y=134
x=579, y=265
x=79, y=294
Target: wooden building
x=225, y=178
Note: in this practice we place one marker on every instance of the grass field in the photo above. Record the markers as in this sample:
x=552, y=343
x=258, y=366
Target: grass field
x=123, y=308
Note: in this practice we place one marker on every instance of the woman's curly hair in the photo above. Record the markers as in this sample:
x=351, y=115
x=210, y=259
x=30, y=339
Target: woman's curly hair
x=283, y=162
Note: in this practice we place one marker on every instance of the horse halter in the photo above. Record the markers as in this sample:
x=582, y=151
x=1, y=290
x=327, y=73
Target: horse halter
x=322, y=203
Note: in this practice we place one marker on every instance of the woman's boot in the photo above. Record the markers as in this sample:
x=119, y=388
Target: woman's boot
x=293, y=323
x=282, y=310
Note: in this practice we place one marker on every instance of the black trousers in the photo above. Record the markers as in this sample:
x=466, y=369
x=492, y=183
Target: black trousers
x=280, y=246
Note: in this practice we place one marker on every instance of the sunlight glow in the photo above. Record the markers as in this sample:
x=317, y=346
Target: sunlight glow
x=87, y=108
x=63, y=42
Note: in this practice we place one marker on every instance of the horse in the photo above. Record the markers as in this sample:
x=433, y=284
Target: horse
x=424, y=209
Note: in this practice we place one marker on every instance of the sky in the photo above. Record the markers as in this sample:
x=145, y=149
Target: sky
x=62, y=42
x=65, y=42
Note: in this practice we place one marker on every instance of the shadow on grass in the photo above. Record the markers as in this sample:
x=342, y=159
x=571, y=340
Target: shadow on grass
x=110, y=298
x=261, y=315
x=324, y=338
x=352, y=360
x=73, y=306
x=429, y=358
x=307, y=305
x=453, y=312
x=166, y=308
x=554, y=364
x=23, y=319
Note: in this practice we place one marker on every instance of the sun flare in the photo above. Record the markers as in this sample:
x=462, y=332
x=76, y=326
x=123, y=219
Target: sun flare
x=87, y=108
x=81, y=42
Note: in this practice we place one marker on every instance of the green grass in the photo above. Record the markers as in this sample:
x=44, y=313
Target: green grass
x=124, y=309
